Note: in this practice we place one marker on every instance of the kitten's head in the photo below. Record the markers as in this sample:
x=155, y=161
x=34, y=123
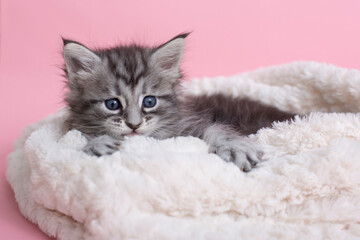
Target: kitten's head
x=123, y=90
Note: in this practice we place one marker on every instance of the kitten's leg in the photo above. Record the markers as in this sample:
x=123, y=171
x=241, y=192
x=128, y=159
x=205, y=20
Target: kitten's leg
x=102, y=145
x=231, y=147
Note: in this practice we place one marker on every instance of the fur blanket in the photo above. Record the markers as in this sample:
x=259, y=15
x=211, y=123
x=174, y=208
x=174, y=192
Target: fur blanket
x=308, y=187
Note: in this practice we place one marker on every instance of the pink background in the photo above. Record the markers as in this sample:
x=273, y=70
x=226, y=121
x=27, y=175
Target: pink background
x=228, y=36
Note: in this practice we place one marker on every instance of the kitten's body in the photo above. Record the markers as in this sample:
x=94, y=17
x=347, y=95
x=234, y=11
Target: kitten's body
x=131, y=75
x=241, y=114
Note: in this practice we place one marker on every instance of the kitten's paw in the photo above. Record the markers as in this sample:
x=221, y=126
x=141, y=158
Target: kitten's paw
x=102, y=145
x=241, y=151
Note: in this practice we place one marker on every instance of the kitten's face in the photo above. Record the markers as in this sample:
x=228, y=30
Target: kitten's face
x=124, y=90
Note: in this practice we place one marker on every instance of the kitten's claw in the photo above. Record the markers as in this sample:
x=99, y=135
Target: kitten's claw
x=241, y=151
x=102, y=145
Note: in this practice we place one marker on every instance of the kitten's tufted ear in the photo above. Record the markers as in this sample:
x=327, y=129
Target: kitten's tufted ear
x=168, y=55
x=78, y=58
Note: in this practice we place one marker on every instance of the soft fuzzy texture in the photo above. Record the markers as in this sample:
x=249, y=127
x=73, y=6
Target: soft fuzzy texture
x=308, y=187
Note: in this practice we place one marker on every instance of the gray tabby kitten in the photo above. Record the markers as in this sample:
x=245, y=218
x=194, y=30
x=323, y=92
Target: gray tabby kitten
x=130, y=90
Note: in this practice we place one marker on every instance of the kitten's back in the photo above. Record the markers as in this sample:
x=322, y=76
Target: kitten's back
x=243, y=115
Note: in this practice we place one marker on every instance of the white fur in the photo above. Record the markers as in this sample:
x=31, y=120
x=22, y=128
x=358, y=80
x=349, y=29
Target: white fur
x=309, y=187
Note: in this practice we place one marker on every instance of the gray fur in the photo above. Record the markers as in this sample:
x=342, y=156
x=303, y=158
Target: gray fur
x=129, y=73
x=231, y=147
x=102, y=145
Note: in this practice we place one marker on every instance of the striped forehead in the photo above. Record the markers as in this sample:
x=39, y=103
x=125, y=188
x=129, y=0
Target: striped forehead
x=128, y=66
x=129, y=92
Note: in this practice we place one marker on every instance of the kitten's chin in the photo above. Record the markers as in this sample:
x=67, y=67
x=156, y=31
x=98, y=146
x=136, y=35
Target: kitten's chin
x=132, y=134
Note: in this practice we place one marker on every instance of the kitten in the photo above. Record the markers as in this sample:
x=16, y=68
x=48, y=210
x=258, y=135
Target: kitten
x=129, y=90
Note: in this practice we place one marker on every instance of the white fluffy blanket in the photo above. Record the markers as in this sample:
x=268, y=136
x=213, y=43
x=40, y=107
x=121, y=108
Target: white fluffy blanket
x=308, y=187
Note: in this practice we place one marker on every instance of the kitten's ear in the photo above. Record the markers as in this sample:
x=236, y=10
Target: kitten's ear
x=78, y=58
x=168, y=56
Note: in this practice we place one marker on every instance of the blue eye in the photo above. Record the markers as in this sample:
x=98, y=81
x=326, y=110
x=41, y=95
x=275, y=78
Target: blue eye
x=112, y=104
x=149, y=101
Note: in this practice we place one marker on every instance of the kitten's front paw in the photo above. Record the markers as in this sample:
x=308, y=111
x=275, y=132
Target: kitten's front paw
x=241, y=151
x=102, y=145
